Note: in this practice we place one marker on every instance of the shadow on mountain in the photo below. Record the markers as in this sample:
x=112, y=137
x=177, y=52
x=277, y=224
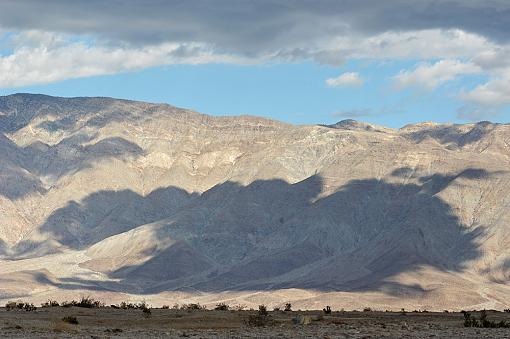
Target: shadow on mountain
x=21, y=166
x=272, y=235
x=453, y=134
x=106, y=213
x=76, y=153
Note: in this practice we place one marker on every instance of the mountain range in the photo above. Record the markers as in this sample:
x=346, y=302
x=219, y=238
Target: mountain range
x=126, y=200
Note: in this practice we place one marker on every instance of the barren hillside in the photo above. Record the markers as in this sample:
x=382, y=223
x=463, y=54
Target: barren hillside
x=131, y=200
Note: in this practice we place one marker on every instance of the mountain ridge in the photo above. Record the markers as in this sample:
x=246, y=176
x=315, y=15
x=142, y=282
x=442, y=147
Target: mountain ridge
x=131, y=199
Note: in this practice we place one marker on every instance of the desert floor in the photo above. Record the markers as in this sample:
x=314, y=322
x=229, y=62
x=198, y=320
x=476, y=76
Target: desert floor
x=111, y=323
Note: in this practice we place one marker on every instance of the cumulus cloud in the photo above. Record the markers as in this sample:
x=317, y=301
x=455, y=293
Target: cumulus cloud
x=495, y=92
x=345, y=79
x=430, y=76
x=41, y=57
x=55, y=40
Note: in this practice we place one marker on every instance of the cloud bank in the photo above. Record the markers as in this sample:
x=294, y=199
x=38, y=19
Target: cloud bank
x=53, y=40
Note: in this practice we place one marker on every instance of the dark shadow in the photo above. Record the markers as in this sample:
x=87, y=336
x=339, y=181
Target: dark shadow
x=403, y=172
x=15, y=180
x=21, y=166
x=271, y=235
x=76, y=153
x=437, y=182
x=453, y=135
x=106, y=213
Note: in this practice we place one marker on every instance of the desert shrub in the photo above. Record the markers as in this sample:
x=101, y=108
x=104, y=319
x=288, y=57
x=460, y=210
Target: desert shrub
x=506, y=310
x=368, y=309
x=85, y=302
x=276, y=309
x=29, y=307
x=132, y=306
x=165, y=307
x=146, y=312
x=403, y=311
x=222, y=307
x=239, y=307
x=288, y=307
x=193, y=307
x=13, y=305
x=258, y=320
x=262, y=310
x=327, y=310
x=88, y=302
x=483, y=322
x=446, y=311
x=70, y=320
x=50, y=303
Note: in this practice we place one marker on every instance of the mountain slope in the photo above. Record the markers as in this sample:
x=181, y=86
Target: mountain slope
x=128, y=199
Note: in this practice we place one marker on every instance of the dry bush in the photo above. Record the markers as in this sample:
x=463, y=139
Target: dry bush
x=20, y=305
x=50, y=303
x=193, y=307
x=85, y=302
x=132, y=306
x=483, y=322
x=146, y=312
x=222, y=307
x=70, y=319
x=262, y=310
x=257, y=320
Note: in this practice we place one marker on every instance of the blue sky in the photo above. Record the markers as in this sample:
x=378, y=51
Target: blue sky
x=386, y=76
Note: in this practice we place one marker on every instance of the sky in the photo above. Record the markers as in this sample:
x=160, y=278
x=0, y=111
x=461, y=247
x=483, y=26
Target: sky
x=391, y=62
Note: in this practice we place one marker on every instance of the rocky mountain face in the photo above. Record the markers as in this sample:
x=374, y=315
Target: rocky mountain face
x=124, y=199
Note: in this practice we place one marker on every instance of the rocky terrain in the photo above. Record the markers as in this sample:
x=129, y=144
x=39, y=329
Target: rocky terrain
x=128, y=200
x=169, y=323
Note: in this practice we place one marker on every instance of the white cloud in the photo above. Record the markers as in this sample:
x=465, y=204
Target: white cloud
x=38, y=57
x=44, y=58
x=345, y=79
x=430, y=76
x=495, y=92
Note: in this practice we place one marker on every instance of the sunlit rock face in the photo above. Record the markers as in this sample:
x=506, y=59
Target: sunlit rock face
x=138, y=200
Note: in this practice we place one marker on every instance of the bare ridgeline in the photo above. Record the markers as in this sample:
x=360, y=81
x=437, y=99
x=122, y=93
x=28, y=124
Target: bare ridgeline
x=130, y=201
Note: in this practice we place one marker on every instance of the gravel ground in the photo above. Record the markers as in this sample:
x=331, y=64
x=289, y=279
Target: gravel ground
x=114, y=323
